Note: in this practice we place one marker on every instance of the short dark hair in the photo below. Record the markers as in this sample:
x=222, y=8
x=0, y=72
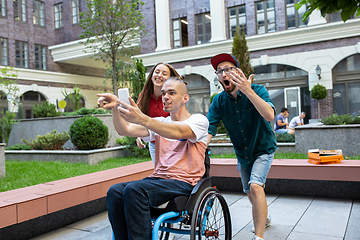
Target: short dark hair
x=283, y=109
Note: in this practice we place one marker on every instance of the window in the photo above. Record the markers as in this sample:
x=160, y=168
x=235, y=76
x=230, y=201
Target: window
x=3, y=8
x=203, y=28
x=180, y=33
x=3, y=51
x=40, y=57
x=237, y=18
x=75, y=7
x=58, y=16
x=38, y=13
x=21, y=53
x=265, y=16
x=28, y=100
x=20, y=10
x=294, y=16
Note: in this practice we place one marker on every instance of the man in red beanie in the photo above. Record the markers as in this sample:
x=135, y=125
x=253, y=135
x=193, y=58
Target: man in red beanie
x=246, y=111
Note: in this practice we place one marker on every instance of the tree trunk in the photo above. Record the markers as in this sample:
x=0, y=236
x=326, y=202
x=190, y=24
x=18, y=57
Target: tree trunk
x=319, y=109
x=114, y=75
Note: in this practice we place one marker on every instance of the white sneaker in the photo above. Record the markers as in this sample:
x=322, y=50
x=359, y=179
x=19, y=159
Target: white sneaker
x=267, y=224
x=257, y=238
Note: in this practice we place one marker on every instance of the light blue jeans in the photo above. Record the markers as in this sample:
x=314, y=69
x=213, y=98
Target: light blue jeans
x=258, y=173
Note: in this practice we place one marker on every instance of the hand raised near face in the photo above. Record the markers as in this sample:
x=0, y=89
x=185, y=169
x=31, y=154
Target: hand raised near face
x=238, y=78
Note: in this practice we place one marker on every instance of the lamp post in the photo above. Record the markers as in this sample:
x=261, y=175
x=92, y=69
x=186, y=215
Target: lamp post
x=318, y=71
x=216, y=82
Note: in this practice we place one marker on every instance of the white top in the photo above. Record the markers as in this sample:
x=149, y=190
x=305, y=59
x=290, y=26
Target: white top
x=294, y=122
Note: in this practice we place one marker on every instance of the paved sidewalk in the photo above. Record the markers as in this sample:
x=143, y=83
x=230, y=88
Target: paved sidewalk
x=293, y=218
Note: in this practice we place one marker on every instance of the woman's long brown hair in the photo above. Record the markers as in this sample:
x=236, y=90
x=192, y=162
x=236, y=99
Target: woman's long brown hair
x=145, y=95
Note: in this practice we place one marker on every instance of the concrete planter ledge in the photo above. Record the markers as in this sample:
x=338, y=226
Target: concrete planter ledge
x=73, y=156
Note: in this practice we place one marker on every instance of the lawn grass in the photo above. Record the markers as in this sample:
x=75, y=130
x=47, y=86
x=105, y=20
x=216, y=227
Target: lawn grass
x=21, y=174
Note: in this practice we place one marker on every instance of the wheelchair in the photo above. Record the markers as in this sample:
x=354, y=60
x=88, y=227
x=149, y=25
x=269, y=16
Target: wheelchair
x=204, y=214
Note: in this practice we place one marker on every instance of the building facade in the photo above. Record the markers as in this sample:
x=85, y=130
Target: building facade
x=40, y=39
x=30, y=31
x=285, y=51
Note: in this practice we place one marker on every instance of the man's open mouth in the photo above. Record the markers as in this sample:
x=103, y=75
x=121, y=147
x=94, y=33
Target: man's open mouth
x=226, y=82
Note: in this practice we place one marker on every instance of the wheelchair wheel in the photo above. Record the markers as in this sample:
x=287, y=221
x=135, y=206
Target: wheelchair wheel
x=211, y=217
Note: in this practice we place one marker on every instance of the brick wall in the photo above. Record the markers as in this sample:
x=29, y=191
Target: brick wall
x=148, y=42
x=326, y=106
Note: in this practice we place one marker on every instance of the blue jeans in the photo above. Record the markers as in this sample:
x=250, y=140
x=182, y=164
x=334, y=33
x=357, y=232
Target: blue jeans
x=258, y=173
x=129, y=204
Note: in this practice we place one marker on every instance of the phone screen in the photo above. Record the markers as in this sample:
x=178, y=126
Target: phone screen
x=123, y=94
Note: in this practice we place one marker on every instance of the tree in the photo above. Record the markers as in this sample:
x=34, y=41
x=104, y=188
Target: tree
x=132, y=76
x=318, y=92
x=241, y=51
x=347, y=7
x=111, y=28
x=7, y=84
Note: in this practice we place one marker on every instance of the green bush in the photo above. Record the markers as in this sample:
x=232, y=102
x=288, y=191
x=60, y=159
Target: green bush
x=340, y=119
x=318, y=92
x=6, y=123
x=220, y=128
x=132, y=146
x=50, y=141
x=89, y=133
x=45, y=110
x=19, y=147
x=85, y=111
x=285, y=137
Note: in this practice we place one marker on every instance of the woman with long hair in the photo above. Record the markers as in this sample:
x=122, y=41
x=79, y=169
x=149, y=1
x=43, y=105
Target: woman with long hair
x=150, y=99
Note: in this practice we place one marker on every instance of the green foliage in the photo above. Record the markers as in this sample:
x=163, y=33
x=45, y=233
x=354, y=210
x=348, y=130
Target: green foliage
x=74, y=98
x=6, y=123
x=45, y=110
x=19, y=147
x=285, y=137
x=318, y=92
x=340, y=119
x=111, y=29
x=133, y=148
x=347, y=7
x=7, y=83
x=241, y=51
x=89, y=133
x=86, y=111
x=49, y=141
x=129, y=75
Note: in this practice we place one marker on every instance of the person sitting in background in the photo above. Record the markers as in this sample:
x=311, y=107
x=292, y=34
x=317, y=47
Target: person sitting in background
x=281, y=126
x=297, y=121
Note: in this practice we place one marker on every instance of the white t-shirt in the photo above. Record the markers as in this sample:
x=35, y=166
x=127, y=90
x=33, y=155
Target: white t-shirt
x=294, y=122
x=181, y=159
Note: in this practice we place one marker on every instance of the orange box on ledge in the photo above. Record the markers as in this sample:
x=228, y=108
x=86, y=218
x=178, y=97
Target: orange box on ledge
x=317, y=156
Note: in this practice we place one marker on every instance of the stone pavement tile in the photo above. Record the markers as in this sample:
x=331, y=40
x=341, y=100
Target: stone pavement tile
x=92, y=224
x=63, y=234
x=310, y=236
x=325, y=216
x=288, y=209
x=101, y=234
x=352, y=231
x=232, y=197
x=274, y=232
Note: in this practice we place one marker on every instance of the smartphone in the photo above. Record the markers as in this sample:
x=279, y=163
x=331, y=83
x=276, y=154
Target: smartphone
x=123, y=94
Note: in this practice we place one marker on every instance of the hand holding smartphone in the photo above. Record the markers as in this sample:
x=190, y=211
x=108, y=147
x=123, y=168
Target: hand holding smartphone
x=123, y=94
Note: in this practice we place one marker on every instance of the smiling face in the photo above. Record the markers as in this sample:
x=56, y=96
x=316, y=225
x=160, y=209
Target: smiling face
x=160, y=75
x=224, y=77
x=174, y=95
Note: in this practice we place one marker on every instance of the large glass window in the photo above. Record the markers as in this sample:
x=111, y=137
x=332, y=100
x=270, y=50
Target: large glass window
x=265, y=16
x=237, y=19
x=58, y=15
x=21, y=54
x=346, y=87
x=28, y=100
x=75, y=7
x=275, y=71
x=199, y=91
x=4, y=51
x=294, y=16
x=38, y=13
x=3, y=8
x=203, y=28
x=180, y=33
x=40, y=57
x=20, y=10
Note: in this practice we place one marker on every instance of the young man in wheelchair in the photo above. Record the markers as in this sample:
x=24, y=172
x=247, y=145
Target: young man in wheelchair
x=179, y=158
